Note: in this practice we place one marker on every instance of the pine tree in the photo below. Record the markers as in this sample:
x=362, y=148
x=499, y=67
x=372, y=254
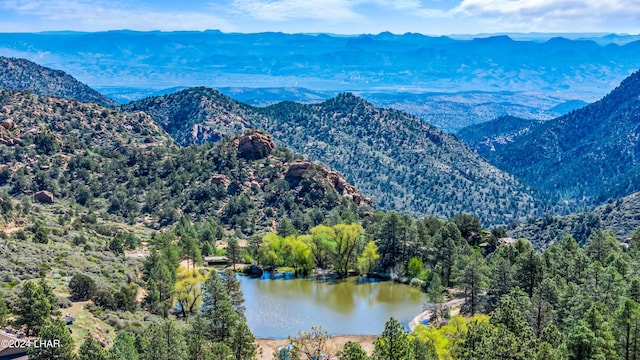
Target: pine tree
x=92, y=350
x=32, y=308
x=59, y=344
x=352, y=351
x=124, y=347
x=218, y=310
x=393, y=343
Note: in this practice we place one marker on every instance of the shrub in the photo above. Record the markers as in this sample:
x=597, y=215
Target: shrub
x=82, y=287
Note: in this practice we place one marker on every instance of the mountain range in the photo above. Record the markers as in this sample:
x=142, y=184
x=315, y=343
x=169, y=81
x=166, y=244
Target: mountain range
x=582, y=158
x=404, y=164
x=125, y=165
x=329, y=62
x=397, y=160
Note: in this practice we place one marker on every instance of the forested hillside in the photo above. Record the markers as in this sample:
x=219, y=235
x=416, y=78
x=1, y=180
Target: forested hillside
x=22, y=74
x=621, y=217
x=585, y=157
x=395, y=159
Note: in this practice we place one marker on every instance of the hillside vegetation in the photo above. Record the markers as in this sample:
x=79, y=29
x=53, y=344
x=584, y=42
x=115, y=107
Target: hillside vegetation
x=22, y=74
x=583, y=158
x=397, y=160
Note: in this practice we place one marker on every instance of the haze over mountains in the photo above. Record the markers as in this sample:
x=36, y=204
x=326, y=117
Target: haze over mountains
x=528, y=77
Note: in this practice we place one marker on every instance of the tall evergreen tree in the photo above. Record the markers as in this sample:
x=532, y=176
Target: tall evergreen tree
x=55, y=343
x=92, y=350
x=32, y=308
x=393, y=343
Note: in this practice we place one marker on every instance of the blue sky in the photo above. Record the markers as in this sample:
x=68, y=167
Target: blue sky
x=434, y=17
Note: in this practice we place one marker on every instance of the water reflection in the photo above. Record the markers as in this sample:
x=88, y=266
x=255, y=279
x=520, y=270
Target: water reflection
x=278, y=308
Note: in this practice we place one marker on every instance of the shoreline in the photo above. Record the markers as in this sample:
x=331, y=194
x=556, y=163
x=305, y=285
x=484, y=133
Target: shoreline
x=453, y=304
x=266, y=347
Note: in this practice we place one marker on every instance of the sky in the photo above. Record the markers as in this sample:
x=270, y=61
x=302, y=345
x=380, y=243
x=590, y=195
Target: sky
x=430, y=17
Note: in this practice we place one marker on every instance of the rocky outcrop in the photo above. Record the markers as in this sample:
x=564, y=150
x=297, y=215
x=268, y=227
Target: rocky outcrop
x=8, y=124
x=220, y=179
x=298, y=169
x=43, y=197
x=255, y=146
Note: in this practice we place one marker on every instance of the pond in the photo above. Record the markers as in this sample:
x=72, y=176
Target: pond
x=277, y=308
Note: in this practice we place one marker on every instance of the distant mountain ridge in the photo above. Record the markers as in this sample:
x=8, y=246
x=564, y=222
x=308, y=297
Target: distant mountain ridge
x=22, y=74
x=327, y=62
x=585, y=157
x=395, y=159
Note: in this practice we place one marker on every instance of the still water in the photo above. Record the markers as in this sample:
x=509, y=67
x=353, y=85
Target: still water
x=277, y=308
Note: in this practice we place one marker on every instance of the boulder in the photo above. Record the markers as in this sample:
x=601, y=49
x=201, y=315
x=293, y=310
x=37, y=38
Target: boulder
x=297, y=169
x=255, y=146
x=8, y=124
x=43, y=197
x=220, y=179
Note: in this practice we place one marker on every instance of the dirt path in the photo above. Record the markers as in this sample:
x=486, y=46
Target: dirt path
x=266, y=347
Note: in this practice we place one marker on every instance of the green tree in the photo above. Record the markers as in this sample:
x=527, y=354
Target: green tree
x=473, y=279
x=92, y=350
x=529, y=271
x=82, y=287
x=232, y=285
x=415, y=267
x=389, y=240
x=627, y=329
x=4, y=310
x=32, y=308
x=124, y=347
x=514, y=337
x=352, y=351
x=445, y=242
x=581, y=343
x=165, y=341
x=393, y=343
x=347, y=239
x=218, y=310
x=242, y=342
x=475, y=341
x=601, y=245
x=233, y=251
x=323, y=245
x=197, y=345
x=116, y=245
x=367, y=260
x=54, y=341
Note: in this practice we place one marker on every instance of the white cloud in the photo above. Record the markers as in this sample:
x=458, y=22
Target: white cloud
x=284, y=10
x=98, y=15
x=554, y=15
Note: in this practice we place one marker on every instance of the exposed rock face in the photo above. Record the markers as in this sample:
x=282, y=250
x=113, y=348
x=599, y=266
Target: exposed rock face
x=255, y=146
x=8, y=124
x=298, y=169
x=220, y=179
x=44, y=197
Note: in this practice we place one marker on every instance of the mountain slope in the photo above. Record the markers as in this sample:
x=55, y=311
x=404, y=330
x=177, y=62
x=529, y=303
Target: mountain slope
x=126, y=166
x=396, y=159
x=22, y=74
x=585, y=157
x=622, y=217
x=486, y=137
